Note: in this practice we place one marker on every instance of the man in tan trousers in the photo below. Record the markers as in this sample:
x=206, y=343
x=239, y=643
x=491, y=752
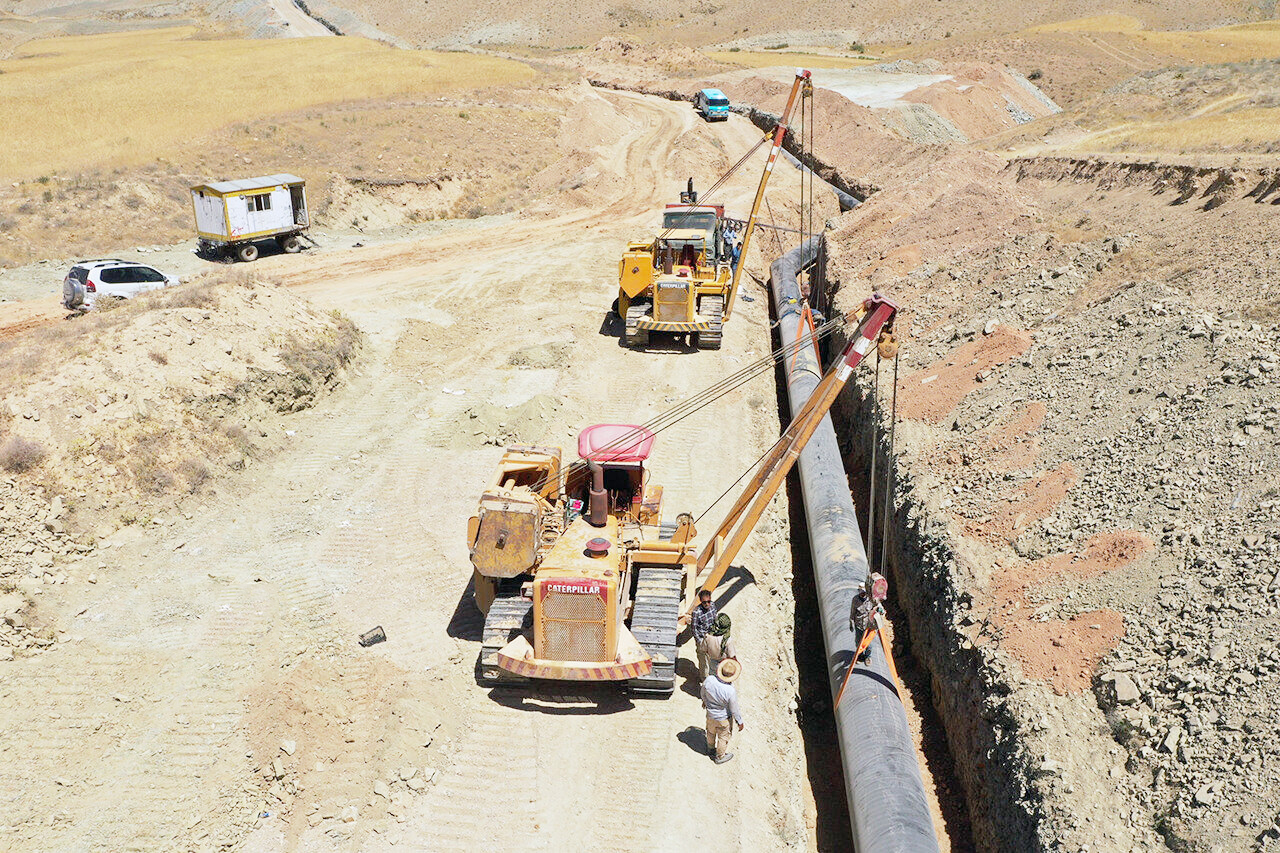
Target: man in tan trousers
x=720, y=698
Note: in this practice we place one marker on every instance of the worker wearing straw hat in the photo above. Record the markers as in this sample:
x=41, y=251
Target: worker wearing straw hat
x=720, y=698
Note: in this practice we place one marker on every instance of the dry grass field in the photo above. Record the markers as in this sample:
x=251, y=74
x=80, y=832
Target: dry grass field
x=127, y=98
x=1094, y=24
x=1225, y=44
x=1249, y=129
x=1228, y=44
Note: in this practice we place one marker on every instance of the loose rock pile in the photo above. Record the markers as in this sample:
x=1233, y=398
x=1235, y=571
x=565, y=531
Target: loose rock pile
x=33, y=550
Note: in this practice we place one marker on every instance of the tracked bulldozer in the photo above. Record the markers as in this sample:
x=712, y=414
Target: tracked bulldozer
x=679, y=282
x=577, y=575
x=685, y=281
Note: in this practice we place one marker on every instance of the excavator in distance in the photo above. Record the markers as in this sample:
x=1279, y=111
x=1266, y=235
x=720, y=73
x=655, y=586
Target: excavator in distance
x=684, y=282
x=578, y=577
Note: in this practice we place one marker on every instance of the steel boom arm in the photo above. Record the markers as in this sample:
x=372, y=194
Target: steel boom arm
x=779, y=133
x=773, y=469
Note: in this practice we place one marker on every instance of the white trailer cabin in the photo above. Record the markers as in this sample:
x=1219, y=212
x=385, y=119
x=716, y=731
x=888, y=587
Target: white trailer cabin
x=234, y=215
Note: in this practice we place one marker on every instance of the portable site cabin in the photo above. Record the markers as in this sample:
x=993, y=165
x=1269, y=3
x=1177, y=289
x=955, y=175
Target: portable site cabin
x=233, y=215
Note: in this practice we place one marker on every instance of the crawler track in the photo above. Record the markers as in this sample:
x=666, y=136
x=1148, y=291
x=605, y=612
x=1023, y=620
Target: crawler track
x=712, y=309
x=653, y=622
x=508, y=616
x=634, y=336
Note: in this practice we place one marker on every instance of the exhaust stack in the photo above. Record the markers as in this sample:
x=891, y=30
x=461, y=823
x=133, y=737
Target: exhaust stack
x=597, y=498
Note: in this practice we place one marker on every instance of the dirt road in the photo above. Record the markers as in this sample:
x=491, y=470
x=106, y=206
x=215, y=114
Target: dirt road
x=300, y=23
x=207, y=689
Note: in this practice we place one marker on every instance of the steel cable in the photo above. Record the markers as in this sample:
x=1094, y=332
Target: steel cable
x=669, y=418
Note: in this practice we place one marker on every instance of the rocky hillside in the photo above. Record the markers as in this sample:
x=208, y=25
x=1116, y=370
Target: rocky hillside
x=1089, y=414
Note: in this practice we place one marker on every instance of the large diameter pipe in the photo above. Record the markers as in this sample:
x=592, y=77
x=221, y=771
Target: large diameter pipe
x=887, y=806
x=847, y=202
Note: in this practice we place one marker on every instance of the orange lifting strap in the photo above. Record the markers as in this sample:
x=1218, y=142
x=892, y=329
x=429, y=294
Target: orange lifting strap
x=806, y=327
x=873, y=630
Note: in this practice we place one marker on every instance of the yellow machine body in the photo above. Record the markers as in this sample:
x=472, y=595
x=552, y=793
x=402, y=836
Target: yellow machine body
x=680, y=282
x=530, y=541
x=579, y=602
x=516, y=517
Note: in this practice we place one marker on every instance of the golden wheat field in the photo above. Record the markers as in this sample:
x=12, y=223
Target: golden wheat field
x=125, y=98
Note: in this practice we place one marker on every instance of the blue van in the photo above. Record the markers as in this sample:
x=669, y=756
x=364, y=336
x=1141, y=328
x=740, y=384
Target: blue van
x=712, y=104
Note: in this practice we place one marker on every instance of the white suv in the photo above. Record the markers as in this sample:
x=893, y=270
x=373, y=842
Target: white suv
x=90, y=281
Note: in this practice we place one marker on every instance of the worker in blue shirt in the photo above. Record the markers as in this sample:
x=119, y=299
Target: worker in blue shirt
x=720, y=698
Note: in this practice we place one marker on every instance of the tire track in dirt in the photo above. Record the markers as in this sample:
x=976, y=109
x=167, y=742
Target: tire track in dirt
x=170, y=748
x=157, y=756
x=489, y=796
x=639, y=196
x=634, y=761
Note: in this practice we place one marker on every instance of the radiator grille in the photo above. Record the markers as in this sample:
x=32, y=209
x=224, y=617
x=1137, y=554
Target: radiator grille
x=573, y=627
x=574, y=607
x=672, y=302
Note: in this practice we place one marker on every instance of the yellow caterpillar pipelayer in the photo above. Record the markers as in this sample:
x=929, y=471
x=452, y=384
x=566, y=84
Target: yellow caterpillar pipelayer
x=571, y=570
x=683, y=282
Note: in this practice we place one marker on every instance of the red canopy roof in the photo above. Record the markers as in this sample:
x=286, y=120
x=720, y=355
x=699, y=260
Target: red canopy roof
x=615, y=443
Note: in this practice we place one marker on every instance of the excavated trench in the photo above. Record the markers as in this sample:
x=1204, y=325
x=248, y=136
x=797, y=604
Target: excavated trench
x=832, y=830
x=832, y=822
x=969, y=738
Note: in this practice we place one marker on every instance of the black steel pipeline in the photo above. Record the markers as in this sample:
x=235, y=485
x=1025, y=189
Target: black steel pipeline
x=887, y=804
x=847, y=202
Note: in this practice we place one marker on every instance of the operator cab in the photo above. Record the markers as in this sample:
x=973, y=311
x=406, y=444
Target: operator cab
x=615, y=455
x=697, y=225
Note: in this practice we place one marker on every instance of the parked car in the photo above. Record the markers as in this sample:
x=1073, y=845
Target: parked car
x=110, y=278
x=712, y=104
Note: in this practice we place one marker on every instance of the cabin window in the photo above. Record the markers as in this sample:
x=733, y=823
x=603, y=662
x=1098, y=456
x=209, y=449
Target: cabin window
x=260, y=202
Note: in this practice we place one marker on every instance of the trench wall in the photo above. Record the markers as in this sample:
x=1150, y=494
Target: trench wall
x=970, y=688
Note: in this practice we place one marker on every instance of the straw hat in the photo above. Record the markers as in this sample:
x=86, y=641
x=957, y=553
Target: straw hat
x=728, y=670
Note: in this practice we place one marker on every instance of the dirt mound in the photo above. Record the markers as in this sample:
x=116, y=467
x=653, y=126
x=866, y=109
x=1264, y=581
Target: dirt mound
x=369, y=204
x=619, y=60
x=932, y=393
x=385, y=163
x=982, y=100
x=1108, y=490
x=542, y=356
x=956, y=204
x=33, y=541
x=488, y=423
x=667, y=58
x=132, y=408
x=302, y=724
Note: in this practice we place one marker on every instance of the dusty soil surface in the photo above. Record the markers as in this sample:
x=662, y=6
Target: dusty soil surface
x=1088, y=437
x=755, y=23
x=192, y=379
x=204, y=687
x=300, y=24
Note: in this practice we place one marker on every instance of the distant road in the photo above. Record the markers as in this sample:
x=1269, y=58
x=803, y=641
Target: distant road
x=300, y=23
